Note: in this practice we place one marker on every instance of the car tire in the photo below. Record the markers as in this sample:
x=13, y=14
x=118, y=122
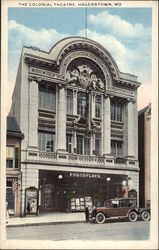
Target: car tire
x=133, y=216
x=100, y=218
x=145, y=216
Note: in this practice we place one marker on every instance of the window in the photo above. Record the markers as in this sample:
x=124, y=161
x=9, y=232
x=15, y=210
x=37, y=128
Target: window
x=46, y=142
x=13, y=156
x=83, y=145
x=98, y=106
x=87, y=146
x=47, y=97
x=98, y=145
x=69, y=143
x=116, y=112
x=116, y=148
x=69, y=102
x=81, y=103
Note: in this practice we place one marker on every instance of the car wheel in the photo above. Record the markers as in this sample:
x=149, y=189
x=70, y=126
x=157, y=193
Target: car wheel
x=132, y=216
x=100, y=218
x=145, y=215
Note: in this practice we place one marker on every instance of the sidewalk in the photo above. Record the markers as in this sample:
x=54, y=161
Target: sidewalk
x=47, y=218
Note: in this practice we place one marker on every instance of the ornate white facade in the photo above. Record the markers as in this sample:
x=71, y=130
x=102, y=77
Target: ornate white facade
x=78, y=113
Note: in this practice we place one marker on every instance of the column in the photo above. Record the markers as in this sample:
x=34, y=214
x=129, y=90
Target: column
x=74, y=102
x=135, y=130
x=61, y=119
x=106, y=125
x=33, y=114
x=131, y=134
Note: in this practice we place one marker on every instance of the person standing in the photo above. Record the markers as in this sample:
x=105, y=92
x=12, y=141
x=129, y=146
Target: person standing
x=87, y=214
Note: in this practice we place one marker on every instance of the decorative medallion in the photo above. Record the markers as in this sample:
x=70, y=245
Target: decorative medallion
x=85, y=77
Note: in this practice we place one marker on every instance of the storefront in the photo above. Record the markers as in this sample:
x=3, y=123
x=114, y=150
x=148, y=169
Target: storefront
x=13, y=195
x=73, y=191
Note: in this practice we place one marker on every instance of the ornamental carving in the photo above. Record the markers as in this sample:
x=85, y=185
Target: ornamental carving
x=84, y=76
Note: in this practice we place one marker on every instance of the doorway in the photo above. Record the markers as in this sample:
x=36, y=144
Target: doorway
x=51, y=198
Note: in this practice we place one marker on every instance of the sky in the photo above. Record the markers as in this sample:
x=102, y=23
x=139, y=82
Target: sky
x=124, y=32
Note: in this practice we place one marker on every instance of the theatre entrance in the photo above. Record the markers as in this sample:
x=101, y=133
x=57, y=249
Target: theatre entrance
x=69, y=191
x=51, y=198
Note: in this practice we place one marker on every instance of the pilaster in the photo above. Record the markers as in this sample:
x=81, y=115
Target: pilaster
x=130, y=128
x=74, y=102
x=106, y=125
x=93, y=96
x=61, y=119
x=33, y=113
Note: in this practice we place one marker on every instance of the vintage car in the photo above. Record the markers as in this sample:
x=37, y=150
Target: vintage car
x=117, y=208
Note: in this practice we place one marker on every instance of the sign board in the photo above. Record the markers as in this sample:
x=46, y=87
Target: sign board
x=31, y=200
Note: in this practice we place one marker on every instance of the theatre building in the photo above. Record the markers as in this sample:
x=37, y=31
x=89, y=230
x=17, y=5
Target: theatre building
x=78, y=113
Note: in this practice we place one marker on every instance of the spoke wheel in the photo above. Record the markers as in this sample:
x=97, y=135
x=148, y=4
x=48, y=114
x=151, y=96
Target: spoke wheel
x=100, y=218
x=133, y=216
x=145, y=215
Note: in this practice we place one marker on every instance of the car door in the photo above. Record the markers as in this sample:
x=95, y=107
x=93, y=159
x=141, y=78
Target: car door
x=124, y=207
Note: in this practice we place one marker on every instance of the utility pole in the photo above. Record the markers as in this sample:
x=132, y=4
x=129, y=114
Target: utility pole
x=86, y=22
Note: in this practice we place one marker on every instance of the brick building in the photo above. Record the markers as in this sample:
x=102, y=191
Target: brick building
x=13, y=173
x=144, y=142
x=79, y=116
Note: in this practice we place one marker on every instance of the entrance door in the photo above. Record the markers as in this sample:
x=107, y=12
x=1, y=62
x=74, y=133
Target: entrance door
x=51, y=198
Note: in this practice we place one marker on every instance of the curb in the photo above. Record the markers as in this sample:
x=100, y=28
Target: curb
x=44, y=223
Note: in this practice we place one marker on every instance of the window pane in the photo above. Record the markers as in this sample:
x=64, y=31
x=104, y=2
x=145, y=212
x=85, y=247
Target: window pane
x=98, y=106
x=113, y=148
x=47, y=97
x=10, y=152
x=98, y=145
x=116, y=148
x=9, y=163
x=79, y=145
x=116, y=112
x=81, y=103
x=46, y=142
x=119, y=149
x=87, y=146
x=68, y=143
x=69, y=102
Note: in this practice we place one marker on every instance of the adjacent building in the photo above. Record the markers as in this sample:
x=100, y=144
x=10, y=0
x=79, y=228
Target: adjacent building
x=78, y=113
x=13, y=173
x=144, y=147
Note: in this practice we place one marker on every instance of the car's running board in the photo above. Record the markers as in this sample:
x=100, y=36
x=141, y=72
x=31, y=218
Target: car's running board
x=112, y=218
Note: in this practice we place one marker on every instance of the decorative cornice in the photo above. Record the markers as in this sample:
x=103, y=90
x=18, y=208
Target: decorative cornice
x=35, y=79
x=41, y=62
x=126, y=84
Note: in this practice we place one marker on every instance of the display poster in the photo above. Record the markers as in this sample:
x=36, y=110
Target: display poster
x=31, y=201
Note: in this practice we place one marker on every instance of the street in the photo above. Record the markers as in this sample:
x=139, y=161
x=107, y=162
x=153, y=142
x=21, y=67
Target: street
x=82, y=231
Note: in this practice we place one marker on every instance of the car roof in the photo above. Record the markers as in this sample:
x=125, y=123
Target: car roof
x=122, y=199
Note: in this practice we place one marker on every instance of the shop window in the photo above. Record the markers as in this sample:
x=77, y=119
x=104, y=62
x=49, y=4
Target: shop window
x=81, y=103
x=12, y=157
x=98, y=145
x=69, y=143
x=116, y=149
x=47, y=97
x=98, y=106
x=69, y=102
x=46, y=141
x=83, y=145
x=116, y=112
